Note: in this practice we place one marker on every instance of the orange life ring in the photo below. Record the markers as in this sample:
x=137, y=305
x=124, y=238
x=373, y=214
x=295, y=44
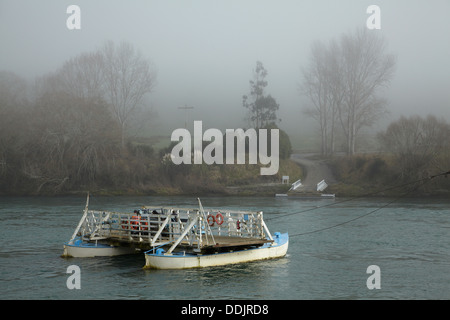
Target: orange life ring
x=238, y=224
x=210, y=221
x=219, y=218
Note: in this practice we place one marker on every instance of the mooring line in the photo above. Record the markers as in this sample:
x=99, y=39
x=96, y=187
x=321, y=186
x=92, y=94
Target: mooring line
x=420, y=182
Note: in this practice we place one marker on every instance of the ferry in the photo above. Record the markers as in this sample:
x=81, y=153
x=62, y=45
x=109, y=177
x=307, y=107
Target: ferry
x=177, y=238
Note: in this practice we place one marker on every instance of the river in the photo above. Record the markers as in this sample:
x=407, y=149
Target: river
x=408, y=241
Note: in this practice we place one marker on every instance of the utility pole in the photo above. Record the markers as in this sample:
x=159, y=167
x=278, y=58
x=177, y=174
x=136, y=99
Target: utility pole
x=185, y=108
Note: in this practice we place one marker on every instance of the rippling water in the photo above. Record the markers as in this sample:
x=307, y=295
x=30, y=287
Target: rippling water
x=408, y=240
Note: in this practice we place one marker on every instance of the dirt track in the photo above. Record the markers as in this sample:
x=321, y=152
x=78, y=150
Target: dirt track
x=316, y=171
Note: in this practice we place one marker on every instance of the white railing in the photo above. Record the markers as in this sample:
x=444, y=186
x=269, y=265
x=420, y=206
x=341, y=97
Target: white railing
x=235, y=223
x=322, y=185
x=155, y=226
x=296, y=184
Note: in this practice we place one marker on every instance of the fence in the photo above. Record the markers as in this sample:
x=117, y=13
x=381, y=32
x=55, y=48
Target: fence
x=156, y=226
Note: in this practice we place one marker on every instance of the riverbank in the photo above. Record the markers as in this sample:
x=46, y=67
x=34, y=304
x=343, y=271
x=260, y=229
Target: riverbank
x=378, y=175
x=356, y=176
x=366, y=175
x=166, y=179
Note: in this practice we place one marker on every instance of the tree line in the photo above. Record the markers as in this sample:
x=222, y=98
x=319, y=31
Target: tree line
x=419, y=146
x=68, y=130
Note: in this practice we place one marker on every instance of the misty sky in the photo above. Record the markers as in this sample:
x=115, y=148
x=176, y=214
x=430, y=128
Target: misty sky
x=205, y=50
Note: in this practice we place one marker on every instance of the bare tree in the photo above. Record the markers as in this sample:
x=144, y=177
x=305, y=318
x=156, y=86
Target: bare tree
x=127, y=78
x=366, y=68
x=82, y=76
x=321, y=86
x=116, y=73
x=70, y=141
x=342, y=82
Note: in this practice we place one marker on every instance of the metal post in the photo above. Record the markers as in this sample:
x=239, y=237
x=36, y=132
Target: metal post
x=185, y=108
x=206, y=223
x=81, y=220
x=194, y=221
x=161, y=228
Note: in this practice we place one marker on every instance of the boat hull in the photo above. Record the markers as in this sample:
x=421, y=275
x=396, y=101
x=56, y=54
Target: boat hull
x=179, y=261
x=87, y=250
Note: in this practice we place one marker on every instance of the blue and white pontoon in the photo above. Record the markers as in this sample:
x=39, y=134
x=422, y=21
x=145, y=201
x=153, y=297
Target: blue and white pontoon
x=247, y=251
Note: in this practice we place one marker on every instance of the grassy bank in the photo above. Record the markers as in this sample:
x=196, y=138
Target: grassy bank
x=166, y=179
x=380, y=175
x=225, y=180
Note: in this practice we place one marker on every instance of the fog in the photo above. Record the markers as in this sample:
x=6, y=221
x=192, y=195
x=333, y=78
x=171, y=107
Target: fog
x=204, y=51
